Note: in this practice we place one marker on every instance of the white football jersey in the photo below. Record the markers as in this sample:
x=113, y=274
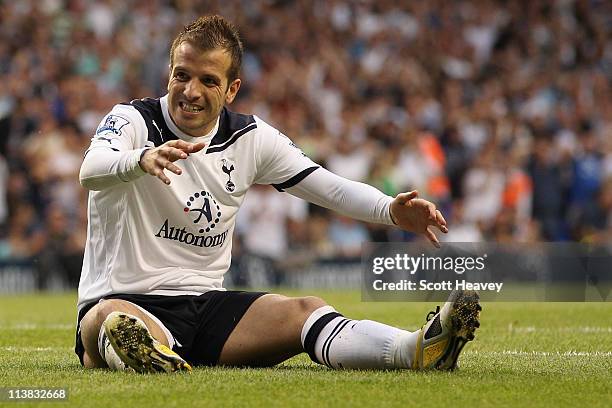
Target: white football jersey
x=147, y=237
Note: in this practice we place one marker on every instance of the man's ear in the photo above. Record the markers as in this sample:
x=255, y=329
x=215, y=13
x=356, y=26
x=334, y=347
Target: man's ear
x=232, y=90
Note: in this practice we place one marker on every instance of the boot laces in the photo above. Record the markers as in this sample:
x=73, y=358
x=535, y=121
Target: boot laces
x=432, y=313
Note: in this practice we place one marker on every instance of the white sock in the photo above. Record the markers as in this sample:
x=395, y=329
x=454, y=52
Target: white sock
x=337, y=342
x=109, y=354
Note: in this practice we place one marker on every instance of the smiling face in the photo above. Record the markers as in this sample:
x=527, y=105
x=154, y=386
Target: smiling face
x=199, y=87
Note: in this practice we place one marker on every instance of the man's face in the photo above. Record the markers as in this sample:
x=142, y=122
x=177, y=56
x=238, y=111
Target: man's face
x=198, y=88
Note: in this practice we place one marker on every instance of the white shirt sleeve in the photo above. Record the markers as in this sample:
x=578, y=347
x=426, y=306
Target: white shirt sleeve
x=351, y=198
x=114, y=153
x=279, y=161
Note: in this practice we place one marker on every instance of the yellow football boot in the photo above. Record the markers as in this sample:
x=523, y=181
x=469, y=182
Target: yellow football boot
x=135, y=346
x=447, y=331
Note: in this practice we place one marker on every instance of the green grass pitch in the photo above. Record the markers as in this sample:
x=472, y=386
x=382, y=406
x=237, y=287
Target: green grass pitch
x=525, y=354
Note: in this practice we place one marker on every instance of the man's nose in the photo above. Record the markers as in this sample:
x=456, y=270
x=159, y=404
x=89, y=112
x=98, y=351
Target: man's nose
x=192, y=90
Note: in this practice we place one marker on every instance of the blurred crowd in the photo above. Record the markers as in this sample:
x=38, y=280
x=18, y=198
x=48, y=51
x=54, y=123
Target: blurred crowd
x=499, y=111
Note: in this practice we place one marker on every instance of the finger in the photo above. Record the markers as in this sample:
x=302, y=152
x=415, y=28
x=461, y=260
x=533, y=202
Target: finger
x=403, y=198
x=440, y=218
x=436, y=219
x=159, y=173
x=196, y=147
x=173, y=168
x=174, y=154
x=441, y=222
x=432, y=213
x=432, y=237
x=186, y=146
x=178, y=144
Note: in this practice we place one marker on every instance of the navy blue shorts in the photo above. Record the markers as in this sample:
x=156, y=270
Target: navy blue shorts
x=200, y=324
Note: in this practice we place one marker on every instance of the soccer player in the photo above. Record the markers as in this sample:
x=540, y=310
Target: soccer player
x=166, y=178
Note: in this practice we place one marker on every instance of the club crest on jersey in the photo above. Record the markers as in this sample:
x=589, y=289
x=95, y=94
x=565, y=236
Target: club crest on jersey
x=227, y=168
x=113, y=123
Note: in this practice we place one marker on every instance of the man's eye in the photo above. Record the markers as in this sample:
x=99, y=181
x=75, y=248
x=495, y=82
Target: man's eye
x=210, y=81
x=181, y=76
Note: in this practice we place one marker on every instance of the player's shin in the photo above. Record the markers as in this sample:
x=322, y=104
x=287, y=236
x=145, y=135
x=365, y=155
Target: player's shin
x=331, y=339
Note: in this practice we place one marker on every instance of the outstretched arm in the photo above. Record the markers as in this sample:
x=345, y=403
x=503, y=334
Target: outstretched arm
x=366, y=203
x=282, y=164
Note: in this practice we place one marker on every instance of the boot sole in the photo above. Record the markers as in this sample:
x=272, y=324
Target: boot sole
x=138, y=349
x=464, y=322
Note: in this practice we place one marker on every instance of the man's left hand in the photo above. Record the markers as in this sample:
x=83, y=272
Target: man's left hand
x=414, y=214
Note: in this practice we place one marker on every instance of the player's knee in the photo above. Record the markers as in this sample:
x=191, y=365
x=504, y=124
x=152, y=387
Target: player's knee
x=106, y=307
x=309, y=304
x=103, y=309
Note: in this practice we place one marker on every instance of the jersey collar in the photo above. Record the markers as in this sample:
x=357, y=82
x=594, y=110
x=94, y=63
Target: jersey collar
x=179, y=133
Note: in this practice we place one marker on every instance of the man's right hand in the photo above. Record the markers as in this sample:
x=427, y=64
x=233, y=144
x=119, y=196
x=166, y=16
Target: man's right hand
x=155, y=161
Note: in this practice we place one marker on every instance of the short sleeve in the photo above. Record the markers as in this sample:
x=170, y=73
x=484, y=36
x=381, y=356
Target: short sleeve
x=279, y=161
